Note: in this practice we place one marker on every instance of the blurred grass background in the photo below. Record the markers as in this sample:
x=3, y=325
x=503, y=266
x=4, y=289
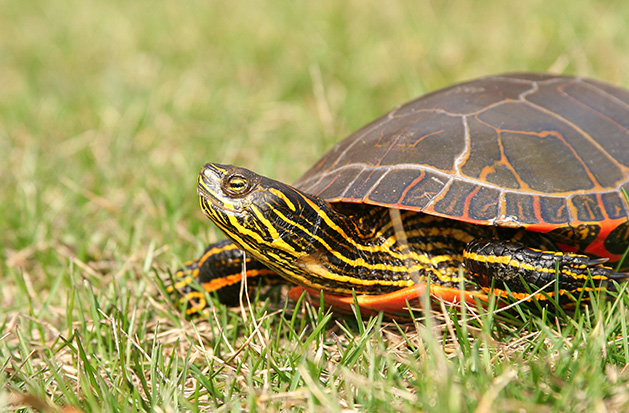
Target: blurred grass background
x=108, y=110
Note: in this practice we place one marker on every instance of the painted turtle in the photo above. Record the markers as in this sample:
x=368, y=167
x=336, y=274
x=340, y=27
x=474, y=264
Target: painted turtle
x=516, y=178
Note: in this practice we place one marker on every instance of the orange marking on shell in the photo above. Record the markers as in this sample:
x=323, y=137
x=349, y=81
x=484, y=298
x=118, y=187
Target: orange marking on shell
x=391, y=303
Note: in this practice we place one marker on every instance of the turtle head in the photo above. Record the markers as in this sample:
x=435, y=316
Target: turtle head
x=273, y=222
x=253, y=210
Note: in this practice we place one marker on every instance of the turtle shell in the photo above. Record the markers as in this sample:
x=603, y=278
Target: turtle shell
x=542, y=152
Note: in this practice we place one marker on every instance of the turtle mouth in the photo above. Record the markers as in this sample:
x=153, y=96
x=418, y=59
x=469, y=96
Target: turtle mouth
x=209, y=197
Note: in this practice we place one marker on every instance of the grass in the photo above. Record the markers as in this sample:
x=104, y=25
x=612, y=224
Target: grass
x=108, y=110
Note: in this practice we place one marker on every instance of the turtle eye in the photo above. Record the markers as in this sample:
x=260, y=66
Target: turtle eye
x=236, y=185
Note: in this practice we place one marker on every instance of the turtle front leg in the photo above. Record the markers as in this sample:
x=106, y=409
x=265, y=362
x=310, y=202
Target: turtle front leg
x=506, y=264
x=219, y=269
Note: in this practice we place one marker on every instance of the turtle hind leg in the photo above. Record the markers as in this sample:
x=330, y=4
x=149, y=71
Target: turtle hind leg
x=509, y=266
x=220, y=270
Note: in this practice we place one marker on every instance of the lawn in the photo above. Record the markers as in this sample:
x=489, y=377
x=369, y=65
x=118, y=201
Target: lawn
x=107, y=112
